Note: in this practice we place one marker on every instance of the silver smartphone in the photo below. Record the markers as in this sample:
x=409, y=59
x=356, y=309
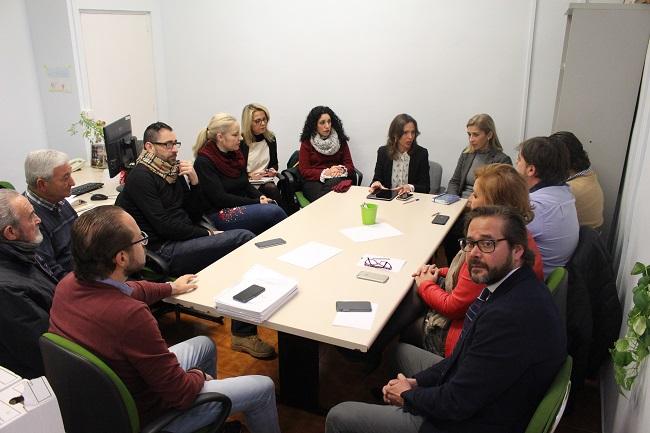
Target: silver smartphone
x=270, y=243
x=372, y=276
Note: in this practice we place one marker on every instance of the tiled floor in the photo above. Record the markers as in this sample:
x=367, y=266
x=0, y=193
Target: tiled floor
x=340, y=379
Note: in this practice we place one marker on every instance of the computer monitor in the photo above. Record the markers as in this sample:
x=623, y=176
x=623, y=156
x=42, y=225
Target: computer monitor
x=122, y=149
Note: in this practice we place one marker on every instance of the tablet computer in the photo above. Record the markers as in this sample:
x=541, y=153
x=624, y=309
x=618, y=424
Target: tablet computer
x=383, y=194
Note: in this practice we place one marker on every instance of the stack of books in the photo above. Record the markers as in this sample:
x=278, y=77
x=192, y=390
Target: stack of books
x=278, y=289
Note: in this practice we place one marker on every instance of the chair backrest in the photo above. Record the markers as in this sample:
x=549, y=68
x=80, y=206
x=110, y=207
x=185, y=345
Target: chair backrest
x=550, y=409
x=435, y=175
x=91, y=396
x=558, y=284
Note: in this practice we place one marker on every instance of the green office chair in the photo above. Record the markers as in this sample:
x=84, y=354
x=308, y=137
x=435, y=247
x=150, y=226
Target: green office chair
x=550, y=409
x=92, y=398
x=558, y=283
x=290, y=184
x=6, y=185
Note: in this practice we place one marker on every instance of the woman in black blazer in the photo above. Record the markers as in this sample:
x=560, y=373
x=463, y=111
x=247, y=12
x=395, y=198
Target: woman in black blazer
x=484, y=148
x=402, y=164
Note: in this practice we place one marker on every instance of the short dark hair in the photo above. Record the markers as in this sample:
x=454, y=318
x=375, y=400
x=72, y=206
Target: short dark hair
x=310, y=129
x=396, y=130
x=578, y=158
x=551, y=160
x=514, y=229
x=151, y=133
x=96, y=237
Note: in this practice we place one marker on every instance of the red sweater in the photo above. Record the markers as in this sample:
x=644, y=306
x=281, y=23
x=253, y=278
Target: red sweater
x=312, y=163
x=454, y=305
x=123, y=333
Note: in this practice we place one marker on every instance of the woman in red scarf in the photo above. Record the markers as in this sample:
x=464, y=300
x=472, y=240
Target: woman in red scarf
x=233, y=202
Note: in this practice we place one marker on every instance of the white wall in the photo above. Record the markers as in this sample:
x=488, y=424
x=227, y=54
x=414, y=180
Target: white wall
x=621, y=415
x=369, y=60
x=22, y=126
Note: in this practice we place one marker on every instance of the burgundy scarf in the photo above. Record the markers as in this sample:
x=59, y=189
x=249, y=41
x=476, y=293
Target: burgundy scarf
x=229, y=164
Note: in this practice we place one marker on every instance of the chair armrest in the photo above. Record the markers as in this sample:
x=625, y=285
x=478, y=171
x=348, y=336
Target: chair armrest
x=159, y=424
x=157, y=264
x=359, y=176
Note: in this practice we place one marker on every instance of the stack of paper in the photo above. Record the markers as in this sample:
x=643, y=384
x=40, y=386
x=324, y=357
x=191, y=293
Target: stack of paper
x=278, y=289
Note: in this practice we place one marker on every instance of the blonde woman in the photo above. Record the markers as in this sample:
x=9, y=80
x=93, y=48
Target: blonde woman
x=260, y=149
x=483, y=148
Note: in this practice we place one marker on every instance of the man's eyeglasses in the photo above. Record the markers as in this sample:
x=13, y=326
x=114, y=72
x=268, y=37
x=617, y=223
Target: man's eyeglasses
x=260, y=121
x=144, y=240
x=168, y=145
x=378, y=262
x=485, y=245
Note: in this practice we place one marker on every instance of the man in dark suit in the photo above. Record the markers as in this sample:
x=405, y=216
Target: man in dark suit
x=511, y=347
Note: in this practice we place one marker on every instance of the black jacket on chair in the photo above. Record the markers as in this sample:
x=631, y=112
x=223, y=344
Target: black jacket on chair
x=501, y=367
x=418, y=168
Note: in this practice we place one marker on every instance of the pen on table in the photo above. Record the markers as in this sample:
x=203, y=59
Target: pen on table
x=435, y=214
x=411, y=201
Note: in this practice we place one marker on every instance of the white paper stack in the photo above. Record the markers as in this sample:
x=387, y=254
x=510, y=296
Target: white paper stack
x=278, y=289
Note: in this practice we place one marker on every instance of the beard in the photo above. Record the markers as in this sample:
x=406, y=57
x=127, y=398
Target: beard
x=492, y=275
x=38, y=238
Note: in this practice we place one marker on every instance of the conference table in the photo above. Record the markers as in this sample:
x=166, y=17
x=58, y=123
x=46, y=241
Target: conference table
x=306, y=318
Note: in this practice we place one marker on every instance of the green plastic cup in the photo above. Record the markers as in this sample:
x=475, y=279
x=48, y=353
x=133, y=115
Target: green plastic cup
x=368, y=213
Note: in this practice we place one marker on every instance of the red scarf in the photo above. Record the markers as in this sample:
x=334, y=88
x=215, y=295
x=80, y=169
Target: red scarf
x=229, y=164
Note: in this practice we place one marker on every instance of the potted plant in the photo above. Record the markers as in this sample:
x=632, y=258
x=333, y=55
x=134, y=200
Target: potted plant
x=92, y=130
x=629, y=352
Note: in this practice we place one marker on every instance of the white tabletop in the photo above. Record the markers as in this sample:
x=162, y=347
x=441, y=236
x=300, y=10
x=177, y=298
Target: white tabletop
x=310, y=313
x=89, y=174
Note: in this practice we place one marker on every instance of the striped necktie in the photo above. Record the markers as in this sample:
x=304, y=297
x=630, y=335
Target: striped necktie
x=473, y=309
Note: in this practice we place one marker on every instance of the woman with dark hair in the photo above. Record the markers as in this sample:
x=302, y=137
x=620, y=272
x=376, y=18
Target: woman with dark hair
x=582, y=180
x=324, y=158
x=484, y=148
x=402, y=164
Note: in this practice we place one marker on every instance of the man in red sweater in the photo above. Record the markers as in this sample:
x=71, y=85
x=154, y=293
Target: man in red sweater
x=97, y=308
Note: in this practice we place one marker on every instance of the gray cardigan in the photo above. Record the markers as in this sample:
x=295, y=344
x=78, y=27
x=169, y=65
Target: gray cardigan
x=459, y=179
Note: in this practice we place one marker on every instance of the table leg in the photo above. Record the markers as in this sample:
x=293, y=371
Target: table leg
x=298, y=364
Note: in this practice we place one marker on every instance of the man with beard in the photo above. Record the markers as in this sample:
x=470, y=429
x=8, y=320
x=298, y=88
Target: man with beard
x=510, y=349
x=96, y=307
x=26, y=286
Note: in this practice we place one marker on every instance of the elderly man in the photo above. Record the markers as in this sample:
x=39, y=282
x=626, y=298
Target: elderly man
x=545, y=166
x=26, y=286
x=511, y=346
x=169, y=209
x=107, y=247
x=49, y=180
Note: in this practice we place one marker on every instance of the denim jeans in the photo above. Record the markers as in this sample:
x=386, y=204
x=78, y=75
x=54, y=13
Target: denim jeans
x=253, y=395
x=254, y=217
x=189, y=257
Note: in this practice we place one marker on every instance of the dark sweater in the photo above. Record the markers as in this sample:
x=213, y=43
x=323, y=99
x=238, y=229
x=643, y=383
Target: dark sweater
x=122, y=332
x=221, y=191
x=26, y=291
x=166, y=212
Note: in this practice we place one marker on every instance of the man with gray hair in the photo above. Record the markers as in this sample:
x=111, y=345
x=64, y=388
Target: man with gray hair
x=26, y=286
x=49, y=180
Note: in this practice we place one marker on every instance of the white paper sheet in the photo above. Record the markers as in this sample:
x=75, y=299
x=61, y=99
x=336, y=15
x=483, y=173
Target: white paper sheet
x=371, y=232
x=359, y=320
x=310, y=254
x=396, y=264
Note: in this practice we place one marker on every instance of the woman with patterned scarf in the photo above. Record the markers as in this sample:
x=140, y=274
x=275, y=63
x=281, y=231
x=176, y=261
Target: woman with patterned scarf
x=325, y=159
x=221, y=168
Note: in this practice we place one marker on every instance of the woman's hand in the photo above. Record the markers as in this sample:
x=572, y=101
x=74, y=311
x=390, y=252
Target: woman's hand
x=402, y=189
x=337, y=170
x=270, y=172
x=256, y=176
x=376, y=185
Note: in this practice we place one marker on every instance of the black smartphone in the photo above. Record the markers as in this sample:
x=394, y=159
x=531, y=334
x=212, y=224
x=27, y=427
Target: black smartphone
x=440, y=219
x=353, y=306
x=270, y=243
x=249, y=293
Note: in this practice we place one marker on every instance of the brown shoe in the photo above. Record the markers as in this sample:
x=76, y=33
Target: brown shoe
x=252, y=345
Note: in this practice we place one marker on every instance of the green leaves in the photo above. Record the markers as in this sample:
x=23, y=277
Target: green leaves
x=91, y=129
x=629, y=352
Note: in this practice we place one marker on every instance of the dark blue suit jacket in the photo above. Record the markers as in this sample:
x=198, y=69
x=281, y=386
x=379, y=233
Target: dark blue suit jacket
x=500, y=368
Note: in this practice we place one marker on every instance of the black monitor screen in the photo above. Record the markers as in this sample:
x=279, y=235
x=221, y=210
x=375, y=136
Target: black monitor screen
x=121, y=146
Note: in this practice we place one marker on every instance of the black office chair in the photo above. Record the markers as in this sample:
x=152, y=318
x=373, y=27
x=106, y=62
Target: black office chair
x=290, y=184
x=92, y=398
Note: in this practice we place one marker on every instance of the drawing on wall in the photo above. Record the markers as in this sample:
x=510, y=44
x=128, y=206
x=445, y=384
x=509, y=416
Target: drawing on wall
x=59, y=78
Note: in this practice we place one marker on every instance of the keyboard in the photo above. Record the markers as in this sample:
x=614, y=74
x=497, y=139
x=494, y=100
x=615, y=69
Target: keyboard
x=86, y=187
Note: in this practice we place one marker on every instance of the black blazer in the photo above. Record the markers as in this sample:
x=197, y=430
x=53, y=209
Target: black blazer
x=459, y=178
x=418, y=168
x=501, y=367
x=273, y=152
